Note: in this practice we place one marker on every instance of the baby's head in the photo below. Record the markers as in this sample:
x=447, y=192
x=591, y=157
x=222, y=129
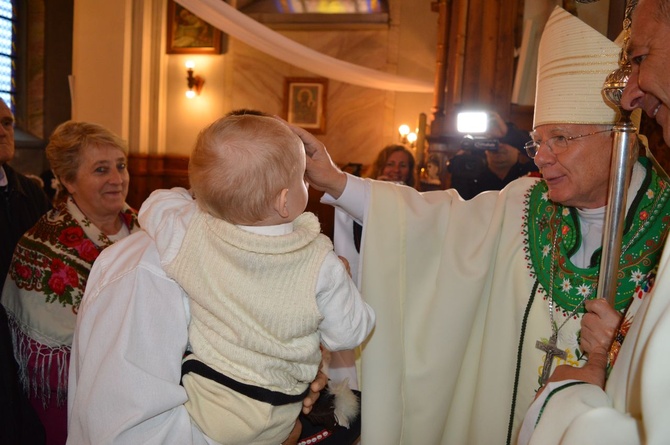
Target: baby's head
x=249, y=169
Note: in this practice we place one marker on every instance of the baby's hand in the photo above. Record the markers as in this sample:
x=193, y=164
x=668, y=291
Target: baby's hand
x=346, y=264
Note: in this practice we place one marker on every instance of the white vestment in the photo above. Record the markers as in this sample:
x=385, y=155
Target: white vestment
x=455, y=295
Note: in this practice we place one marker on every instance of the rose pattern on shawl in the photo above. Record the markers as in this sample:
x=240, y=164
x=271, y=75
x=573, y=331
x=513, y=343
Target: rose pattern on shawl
x=71, y=236
x=56, y=255
x=24, y=271
x=74, y=237
x=57, y=280
x=129, y=217
x=88, y=251
x=62, y=276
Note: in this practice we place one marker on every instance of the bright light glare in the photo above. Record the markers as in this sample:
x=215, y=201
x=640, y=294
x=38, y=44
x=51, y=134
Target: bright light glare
x=411, y=138
x=189, y=64
x=190, y=94
x=472, y=122
x=403, y=130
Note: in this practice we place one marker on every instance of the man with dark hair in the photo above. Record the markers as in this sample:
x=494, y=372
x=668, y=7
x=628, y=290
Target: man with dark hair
x=473, y=172
x=22, y=203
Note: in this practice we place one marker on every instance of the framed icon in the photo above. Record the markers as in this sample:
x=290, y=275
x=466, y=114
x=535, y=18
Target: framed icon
x=189, y=34
x=305, y=103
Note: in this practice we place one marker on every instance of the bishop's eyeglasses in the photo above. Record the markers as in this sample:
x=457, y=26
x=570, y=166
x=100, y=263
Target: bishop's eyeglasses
x=556, y=144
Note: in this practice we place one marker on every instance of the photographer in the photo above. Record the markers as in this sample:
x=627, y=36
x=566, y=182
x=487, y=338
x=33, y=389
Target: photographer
x=493, y=164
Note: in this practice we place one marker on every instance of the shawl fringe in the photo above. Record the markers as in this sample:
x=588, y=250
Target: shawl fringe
x=35, y=379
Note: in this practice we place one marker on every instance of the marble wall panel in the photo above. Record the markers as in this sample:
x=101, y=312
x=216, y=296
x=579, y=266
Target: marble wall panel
x=358, y=119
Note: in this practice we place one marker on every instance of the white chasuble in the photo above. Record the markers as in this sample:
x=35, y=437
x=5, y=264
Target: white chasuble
x=449, y=282
x=461, y=308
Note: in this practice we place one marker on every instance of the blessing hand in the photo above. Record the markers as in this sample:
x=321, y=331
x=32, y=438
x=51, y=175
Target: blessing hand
x=321, y=172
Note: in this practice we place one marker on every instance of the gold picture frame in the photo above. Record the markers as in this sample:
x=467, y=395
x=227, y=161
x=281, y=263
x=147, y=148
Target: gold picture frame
x=305, y=103
x=189, y=34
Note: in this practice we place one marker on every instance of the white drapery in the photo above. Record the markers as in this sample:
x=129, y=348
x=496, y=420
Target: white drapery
x=231, y=21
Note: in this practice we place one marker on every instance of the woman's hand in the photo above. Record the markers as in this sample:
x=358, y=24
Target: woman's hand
x=293, y=438
x=345, y=262
x=315, y=388
x=599, y=326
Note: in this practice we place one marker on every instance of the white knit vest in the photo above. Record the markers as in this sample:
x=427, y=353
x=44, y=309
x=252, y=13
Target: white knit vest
x=254, y=316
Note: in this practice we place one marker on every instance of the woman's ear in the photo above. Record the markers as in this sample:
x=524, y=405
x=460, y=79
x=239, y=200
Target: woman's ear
x=67, y=185
x=281, y=203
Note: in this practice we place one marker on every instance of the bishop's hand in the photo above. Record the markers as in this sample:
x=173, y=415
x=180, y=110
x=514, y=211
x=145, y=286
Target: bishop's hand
x=321, y=172
x=599, y=325
x=593, y=372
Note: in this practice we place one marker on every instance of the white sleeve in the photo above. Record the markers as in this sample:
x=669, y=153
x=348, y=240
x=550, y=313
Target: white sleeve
x=578, y=412
x=347, y=319
x=354, y=199
x=126, y=360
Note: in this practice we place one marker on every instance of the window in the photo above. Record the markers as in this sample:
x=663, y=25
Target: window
x=330, y=6
x=7, y=32
x=318, y=14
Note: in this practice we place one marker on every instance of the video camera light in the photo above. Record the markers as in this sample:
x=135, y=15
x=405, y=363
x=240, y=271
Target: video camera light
x=472, y=122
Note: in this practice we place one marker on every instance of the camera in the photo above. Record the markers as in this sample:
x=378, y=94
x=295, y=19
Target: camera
x=473, y=123
x=470, y=142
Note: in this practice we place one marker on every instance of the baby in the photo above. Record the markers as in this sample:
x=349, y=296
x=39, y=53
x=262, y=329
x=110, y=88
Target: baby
x=265, y=287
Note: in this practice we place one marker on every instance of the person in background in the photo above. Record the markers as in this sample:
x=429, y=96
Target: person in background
x=51, y=263
x=22, y=200
x=431, y=175
x=478, y=301
x=631, y=405
x=472, y=173
x=394, y=163
x=21, y=205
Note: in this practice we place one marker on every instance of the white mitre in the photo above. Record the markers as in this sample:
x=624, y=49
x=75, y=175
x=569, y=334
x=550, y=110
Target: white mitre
x=573, y=62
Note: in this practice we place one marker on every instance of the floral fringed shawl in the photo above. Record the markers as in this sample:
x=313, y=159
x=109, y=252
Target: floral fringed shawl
x=44, y=288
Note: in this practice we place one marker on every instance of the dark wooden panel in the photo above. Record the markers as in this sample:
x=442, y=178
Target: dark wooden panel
x=151, y=172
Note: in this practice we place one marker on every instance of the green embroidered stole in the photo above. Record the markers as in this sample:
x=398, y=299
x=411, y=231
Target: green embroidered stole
x=645, y=230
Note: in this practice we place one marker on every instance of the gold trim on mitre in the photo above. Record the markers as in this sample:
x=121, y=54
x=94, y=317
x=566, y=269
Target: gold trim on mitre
x=573, y=62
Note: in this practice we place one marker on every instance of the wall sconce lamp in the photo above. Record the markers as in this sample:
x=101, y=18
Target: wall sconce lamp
x=195, y=83
x=407, y=137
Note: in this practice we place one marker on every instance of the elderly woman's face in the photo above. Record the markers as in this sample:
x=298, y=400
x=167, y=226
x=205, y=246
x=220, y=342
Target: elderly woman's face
x=101, y=184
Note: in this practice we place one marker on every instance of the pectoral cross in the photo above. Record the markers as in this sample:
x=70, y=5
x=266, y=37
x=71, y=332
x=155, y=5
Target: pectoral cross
x=552, y=351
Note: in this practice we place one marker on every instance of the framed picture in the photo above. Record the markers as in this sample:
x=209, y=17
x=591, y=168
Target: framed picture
x=189, y=34
x=305, y=103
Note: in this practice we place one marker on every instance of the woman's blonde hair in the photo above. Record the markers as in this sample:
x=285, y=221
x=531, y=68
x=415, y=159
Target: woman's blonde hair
x=239, y=165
